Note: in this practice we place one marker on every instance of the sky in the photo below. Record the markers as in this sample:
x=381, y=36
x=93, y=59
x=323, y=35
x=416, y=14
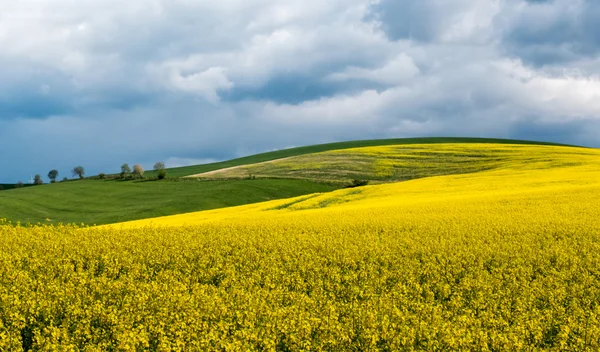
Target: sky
x=102, y=83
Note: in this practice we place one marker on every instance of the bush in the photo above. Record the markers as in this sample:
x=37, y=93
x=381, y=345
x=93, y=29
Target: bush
x=159, y=166
x=162, y=173
x=19, y=184
x=65, y=179
x=101, y=176
x=358, y=183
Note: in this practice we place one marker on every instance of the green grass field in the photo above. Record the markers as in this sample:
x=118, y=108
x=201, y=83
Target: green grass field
x=108, y=201
x=102, y=202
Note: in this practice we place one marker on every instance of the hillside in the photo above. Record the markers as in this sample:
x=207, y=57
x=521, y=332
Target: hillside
x=102, y=202
x=400, y=162
x=291, y=152
x=307, y=170
x=561, y=179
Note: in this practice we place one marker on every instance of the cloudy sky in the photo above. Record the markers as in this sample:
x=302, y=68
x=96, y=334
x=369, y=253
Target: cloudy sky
x=103, y=82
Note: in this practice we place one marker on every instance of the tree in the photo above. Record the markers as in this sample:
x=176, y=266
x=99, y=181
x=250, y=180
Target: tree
x=19, y=184
x=138, y=171
x=37, y=180
x=78, y=171
x=52, y=175
x=65, y=179
x=125, y=170
x=159, y=166
x=101, y=176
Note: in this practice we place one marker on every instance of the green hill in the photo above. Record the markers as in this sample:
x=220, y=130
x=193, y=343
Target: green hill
x=286, y=153
x=103, y=202
x=108, y=201
x=400, y=162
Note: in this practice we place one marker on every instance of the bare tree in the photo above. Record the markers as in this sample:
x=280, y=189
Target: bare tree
x=159, y=166
x=19, y=184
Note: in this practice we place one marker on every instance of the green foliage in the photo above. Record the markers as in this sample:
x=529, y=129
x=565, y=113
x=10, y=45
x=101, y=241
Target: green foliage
x=78, y=171
x=358, y=183
x=101, y=176
x=159, y=166
x=162, y=174
x=125, y=170
x=52, y=175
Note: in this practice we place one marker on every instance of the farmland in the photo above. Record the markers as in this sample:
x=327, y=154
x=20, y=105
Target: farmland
x=93, y=201
x=504, y=256
x=108, y=201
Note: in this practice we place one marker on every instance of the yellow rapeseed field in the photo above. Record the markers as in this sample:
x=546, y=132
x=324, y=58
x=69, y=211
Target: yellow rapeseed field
x=503, y=259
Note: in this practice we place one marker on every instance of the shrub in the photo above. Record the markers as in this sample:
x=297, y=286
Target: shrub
x=101, y=176
x=19, y=184
x=357, y=183
x=162, y=173
x=159, y=166
x=65, y=179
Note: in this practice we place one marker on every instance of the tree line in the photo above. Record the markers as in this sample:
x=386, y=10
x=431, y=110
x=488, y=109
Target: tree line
x=137, y=172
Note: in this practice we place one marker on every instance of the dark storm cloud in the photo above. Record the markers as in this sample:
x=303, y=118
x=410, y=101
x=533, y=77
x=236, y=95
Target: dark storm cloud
x=554, y=32
x=102, y=83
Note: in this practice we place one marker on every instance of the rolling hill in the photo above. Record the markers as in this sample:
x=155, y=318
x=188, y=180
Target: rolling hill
x=291, y=152
x=307, y=170
x=502, y=256
x=560, y=179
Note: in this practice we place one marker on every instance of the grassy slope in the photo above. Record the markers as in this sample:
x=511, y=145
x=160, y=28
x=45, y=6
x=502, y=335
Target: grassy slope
x=399, y=162
x=558, y=186
x=102, y=202
x=285, y=153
